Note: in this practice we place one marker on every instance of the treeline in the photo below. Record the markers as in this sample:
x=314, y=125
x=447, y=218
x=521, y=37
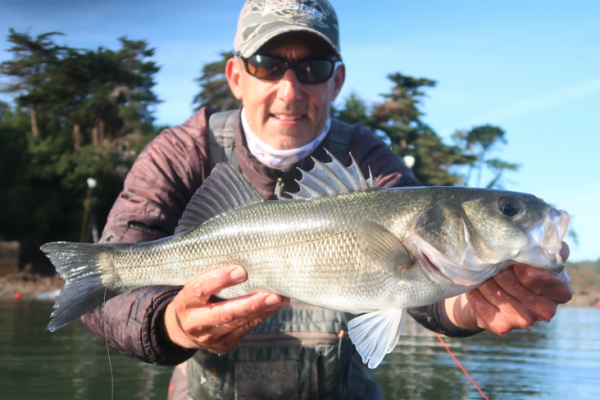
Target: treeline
x=77, y=113
x=585, y=278
x=80, y=113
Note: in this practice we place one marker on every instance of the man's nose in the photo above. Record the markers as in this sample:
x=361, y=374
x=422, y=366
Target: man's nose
x=289, y=87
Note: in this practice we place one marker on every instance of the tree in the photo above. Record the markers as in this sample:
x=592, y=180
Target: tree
x=82, y=96
x=398, y=120
x=354, y=111
x=29, y=68
x=215, y=90
x=477, y=142
x=87, y=95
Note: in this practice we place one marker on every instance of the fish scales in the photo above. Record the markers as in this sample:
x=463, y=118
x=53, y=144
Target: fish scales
x=310, y=243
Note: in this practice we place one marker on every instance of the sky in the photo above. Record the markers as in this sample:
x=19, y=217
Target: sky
x=531, y=67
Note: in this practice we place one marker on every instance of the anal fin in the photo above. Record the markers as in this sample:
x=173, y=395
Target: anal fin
x=375, y=334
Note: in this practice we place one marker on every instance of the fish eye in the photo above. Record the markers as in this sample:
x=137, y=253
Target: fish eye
x=508, y=207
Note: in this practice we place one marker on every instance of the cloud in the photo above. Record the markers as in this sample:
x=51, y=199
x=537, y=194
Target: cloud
x=537, y=103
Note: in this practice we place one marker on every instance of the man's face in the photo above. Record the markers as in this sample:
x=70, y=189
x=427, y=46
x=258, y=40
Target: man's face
x=286, y=114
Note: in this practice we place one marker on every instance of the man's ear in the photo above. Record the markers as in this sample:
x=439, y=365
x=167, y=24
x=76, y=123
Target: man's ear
x=338, y=81
x=233, y=71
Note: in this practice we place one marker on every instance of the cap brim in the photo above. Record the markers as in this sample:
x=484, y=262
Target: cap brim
x=248, y=49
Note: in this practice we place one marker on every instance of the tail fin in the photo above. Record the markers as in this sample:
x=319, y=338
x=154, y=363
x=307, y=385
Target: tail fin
x=79, y=265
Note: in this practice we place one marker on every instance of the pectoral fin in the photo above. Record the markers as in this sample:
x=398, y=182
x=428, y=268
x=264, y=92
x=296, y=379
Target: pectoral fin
x=376, y=334
x=383, y=248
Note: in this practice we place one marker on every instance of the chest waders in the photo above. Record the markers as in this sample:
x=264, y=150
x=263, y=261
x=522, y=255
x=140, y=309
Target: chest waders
x=301, y=352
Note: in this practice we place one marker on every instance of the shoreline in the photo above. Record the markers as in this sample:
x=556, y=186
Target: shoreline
x=28, y=285
x=31, y=285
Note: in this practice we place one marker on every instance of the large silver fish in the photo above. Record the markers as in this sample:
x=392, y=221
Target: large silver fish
x=340, y=243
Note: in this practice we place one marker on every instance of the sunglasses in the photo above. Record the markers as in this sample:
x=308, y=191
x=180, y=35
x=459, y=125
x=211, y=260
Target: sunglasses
x=272, y=69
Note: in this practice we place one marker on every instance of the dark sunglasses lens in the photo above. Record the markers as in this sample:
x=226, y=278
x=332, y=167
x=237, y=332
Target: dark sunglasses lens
x=314, y=71
x=265, y=67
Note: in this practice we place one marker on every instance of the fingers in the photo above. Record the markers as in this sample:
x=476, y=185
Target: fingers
x=541, y=306
x=485, y=312
x=228, y=342
x=219, y=327
x=518, y=297
x=198, y=291
x=545, y=283
x=504, y=312
x=223, y=338
x=193, y=321
x=224, y=317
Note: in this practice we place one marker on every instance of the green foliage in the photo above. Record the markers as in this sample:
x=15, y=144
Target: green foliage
x=42, y=195
x=32, y=60
x=398, y=121
x=78, y=113
x=100, y=94
x=477, y=143
x=354, y=110
x=215, y=90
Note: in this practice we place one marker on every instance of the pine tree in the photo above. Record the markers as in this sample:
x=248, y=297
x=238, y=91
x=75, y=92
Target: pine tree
x=398, y=121
x=214, y=89
x=94, y=111
x=30, y=68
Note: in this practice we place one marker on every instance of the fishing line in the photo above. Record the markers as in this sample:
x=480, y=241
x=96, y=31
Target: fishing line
x=461, y=367
x=112, y=380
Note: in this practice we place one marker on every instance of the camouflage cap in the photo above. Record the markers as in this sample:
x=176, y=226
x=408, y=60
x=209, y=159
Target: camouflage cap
x=262, y=20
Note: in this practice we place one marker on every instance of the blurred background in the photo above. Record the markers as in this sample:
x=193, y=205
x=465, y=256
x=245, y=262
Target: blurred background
x=501, y=94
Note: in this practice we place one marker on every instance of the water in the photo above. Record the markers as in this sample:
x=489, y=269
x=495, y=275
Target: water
x=70, y=363
x=560, y=360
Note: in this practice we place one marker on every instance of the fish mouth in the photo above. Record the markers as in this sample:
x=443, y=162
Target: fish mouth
x=545, y=239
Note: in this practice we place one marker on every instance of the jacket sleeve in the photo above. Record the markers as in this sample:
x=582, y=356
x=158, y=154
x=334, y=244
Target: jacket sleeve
x=434, y=318
x=156, y=191
x=390, y=171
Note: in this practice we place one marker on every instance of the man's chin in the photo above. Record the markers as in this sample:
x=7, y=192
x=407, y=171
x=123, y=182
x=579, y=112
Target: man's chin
x=288, y=136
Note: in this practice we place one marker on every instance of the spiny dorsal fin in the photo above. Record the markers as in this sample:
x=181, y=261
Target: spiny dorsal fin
x=224, y=190
x=328, y=179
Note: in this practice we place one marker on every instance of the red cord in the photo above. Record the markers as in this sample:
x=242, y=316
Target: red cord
x=461, y=367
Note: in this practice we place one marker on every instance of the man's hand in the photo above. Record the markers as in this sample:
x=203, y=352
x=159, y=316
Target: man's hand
x=513, y=299
x=193, y=321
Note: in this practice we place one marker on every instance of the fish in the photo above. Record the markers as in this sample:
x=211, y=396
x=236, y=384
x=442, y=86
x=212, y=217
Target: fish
x=340, y=243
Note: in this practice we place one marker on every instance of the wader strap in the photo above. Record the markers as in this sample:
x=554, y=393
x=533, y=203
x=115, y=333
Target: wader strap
x=340, y=135
x=221, y=138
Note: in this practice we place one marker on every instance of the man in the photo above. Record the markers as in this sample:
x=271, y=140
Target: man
x=287, y=71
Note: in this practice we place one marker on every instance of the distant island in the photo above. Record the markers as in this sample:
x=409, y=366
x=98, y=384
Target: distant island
x=585, y=278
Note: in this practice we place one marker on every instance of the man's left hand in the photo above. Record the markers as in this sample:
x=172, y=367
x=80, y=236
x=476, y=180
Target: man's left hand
x=515, y=298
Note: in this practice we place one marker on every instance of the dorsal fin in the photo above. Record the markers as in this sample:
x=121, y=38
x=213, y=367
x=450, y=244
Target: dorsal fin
x=225, y=189
x=328, y=179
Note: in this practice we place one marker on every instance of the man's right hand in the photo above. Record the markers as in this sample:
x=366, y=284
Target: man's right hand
x=193, y=321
